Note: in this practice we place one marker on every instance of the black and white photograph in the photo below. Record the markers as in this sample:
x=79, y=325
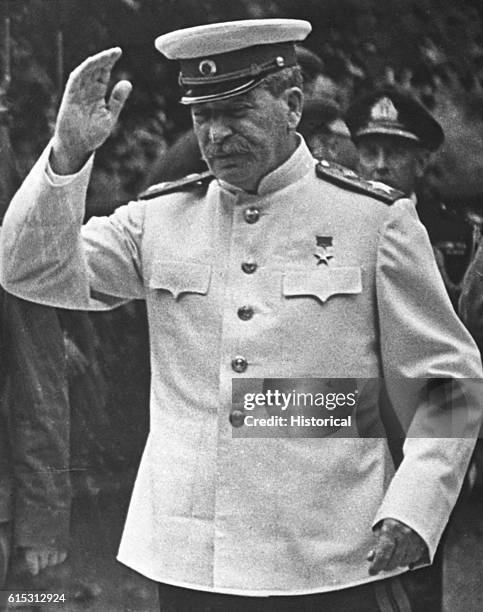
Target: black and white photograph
x=241, y=285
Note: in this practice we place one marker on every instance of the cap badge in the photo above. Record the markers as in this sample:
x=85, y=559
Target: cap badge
x=325, y=250
x=207, y=67
x=384, y=110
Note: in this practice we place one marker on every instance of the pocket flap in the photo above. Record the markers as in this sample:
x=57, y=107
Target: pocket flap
x=179, y=277
x=323, y=283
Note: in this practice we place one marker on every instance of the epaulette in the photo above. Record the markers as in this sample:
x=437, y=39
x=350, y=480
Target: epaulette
x=348, y=179
x=187, y=182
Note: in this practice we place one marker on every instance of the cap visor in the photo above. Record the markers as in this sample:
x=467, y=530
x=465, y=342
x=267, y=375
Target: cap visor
x=387, y=131
x=193, y=97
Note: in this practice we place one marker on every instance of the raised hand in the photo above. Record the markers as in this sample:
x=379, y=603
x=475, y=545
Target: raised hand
x=86, y=118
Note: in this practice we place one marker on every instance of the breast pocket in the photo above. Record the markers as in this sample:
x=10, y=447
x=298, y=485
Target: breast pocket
x=180, y=278
x=322, y=283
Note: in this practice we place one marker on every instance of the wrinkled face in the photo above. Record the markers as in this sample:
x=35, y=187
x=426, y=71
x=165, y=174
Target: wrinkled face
x=244, y=138
x=398, y=162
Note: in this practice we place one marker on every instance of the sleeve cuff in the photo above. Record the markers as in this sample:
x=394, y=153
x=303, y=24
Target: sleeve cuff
x=60, y=180
x=427, y=559
x=423, y=500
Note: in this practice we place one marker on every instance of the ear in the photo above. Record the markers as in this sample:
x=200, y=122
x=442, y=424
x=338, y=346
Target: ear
x=295, y=100
x=422, y=161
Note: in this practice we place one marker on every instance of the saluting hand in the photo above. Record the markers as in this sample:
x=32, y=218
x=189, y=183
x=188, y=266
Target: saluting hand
x=397, y=545
x=85, y=117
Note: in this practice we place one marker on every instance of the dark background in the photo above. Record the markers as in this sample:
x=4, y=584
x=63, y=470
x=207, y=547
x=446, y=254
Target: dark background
x=434, y=47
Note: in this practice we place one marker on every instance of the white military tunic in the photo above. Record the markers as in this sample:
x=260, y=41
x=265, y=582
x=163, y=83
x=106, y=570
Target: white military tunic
x=258, y=516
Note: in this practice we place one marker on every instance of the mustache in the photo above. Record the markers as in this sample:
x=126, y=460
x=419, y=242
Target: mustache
x=234, y=147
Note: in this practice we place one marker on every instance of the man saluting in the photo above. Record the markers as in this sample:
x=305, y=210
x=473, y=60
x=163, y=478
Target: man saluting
x=237, y=288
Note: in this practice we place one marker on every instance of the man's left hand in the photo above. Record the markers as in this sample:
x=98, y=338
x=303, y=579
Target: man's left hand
x=397, y=545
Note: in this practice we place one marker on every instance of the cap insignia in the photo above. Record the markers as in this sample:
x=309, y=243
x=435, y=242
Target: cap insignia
x=207, y=67
x=384, y=110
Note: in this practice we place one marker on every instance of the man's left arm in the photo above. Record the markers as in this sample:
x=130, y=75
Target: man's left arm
x=432, y=372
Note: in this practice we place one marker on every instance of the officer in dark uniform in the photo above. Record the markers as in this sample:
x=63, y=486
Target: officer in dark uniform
x=395, y=136
x=325, y=132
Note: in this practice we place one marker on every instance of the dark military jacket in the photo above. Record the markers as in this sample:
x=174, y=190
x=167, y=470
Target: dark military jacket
x=452, y=239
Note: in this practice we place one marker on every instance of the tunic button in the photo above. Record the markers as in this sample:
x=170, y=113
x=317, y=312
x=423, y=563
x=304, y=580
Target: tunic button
x=239, y=364
x=249, y=268
x=245, y=313
x=237, y=418
x=251, y=215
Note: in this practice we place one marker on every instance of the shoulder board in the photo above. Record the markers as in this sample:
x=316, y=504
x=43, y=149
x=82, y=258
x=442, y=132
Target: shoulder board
x=187, y=182
x=348, y=179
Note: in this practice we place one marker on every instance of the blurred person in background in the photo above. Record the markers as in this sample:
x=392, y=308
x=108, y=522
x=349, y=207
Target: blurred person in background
x=326, y=134
x=471, y=313
x=35, y=490
x=471, y=300
x=396, y=136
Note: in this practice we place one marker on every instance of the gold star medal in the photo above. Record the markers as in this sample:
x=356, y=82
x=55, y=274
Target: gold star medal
x=325, y=250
